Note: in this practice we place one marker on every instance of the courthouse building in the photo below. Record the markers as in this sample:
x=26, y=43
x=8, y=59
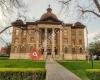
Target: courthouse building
x=51, y=36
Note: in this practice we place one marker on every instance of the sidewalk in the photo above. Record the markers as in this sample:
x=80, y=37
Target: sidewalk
x=57, y=72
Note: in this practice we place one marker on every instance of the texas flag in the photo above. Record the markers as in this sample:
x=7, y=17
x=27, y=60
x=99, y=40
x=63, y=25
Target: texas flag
x=35, y=54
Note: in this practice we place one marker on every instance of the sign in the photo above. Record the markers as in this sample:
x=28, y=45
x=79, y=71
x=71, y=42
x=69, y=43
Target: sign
x=35, y=54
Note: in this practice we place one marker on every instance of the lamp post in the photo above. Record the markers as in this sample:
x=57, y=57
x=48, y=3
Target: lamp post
x=92, y=62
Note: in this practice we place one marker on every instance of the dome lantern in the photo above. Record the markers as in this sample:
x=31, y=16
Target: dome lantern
x=49, y=9
x=48, y=14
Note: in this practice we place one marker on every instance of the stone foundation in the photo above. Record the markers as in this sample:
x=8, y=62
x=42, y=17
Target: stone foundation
x=74, y=56
x=19, y=56
x=57, y=57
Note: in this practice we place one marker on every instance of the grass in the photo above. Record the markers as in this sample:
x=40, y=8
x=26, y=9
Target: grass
x=80, y=67
x=11, y=63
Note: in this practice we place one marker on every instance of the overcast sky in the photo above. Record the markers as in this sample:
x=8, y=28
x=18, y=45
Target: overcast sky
x=35, y=8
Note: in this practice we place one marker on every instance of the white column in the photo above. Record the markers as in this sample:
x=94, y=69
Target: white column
x=45, y=44
x=53, y=43
x=61, y=53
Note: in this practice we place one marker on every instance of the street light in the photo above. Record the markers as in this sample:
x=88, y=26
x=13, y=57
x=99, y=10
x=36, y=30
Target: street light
x=92, y=62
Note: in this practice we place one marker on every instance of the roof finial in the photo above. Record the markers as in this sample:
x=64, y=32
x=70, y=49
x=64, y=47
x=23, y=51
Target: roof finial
x=49, y=5
x=49, y=9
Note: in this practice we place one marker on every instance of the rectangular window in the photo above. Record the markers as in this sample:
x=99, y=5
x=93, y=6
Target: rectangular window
x=31, y=39
x=65, y=32
x=73, y=31
x=17, y=31
x=23, y=41
x=16, y=41
x=32, y=32
x=73, y=41
x=24, y=33
x=16, y=49
x=23, y=49
x=80, y=42
x=81, y=50
x=65, y=40
x=66, y=50
x=80, y=32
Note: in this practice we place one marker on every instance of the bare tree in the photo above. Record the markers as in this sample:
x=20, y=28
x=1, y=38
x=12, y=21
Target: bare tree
x=95, y=11
x=7, y=8
x=97, y=7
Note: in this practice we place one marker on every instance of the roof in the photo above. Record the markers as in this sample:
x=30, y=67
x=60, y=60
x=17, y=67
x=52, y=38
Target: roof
x=75, y=25
x=18, y=23
x=79, y=25
x=48, y=14
x=49, y=17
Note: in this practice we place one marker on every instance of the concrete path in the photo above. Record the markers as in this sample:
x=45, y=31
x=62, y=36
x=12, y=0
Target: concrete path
x=57, y=72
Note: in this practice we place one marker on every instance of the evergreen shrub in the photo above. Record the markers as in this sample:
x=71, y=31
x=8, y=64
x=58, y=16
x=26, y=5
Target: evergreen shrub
x=22, y=74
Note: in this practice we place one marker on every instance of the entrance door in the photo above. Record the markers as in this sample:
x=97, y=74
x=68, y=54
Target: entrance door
x=49, y=51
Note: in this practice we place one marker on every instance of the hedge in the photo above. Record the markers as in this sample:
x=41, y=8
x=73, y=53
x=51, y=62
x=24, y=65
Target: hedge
x=93, y=70
x=22, y=74
x=93, y=74
x=4, y=57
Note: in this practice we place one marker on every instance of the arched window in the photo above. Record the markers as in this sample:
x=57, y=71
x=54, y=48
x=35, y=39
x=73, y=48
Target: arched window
x=66, y=50
x=81, y=50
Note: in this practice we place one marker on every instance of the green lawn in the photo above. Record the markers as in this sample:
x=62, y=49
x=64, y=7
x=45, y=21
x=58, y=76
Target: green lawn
x=80, y=67
x=23, y=63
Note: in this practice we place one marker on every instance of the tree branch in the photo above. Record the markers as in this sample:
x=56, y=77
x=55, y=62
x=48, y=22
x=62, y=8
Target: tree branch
x=65, y=2
x=1, y=39
x=90, y=11
x=97, y=4
x=5, y=29
x=7, y=6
